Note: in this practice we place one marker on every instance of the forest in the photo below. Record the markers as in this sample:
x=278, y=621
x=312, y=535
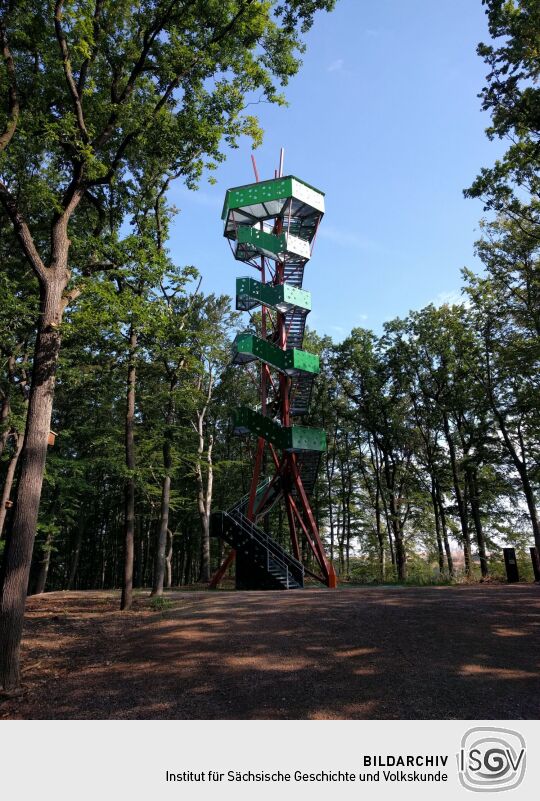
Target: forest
x=116, y=383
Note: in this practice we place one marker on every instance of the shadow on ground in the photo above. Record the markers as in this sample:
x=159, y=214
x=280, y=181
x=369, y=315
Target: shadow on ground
x=446, y=652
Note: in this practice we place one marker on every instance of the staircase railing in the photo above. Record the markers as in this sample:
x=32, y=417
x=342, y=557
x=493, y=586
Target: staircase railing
x=243, y=502
x=273, y=550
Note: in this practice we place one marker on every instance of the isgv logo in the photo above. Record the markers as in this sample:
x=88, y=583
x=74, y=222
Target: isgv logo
x=491, y=759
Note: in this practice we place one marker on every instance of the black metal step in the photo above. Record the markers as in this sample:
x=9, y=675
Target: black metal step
x=294, y=272
x=308, y=463
x=300, y=393
x=295, y=325
x=261, y=563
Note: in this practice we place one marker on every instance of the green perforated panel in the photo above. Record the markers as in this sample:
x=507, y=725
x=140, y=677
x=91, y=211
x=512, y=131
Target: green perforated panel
x=264, y=242
x=248, y=346
x=254, y=241
x=246, y=205
x=277, y=189
x=288, y=438
x=300, y=360
x=250, y=292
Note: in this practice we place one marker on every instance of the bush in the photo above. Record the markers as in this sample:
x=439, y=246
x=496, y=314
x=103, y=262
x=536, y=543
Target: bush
x=420, y=572
x=160, y=604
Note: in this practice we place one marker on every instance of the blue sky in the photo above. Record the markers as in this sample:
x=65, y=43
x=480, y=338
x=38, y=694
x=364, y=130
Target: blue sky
x=384, y=118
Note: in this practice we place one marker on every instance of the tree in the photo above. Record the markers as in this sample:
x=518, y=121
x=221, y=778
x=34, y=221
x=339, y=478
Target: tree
x=375, y=387
x=172, y=353
x=449, y=403
x=506, y=300
x=212, y=352
x=91, y=89
x=18, y=316
x=512, y=97
x=505, y=307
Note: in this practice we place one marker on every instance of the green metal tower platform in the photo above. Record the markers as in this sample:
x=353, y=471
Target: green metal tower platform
x=271, y=226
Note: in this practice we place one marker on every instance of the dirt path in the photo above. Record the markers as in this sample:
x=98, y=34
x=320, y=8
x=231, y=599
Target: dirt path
x=448, y=652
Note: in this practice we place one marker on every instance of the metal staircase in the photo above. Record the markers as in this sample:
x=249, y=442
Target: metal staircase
x=261, y=563
x=308, y=464
x=295, y=324
x=294, y=272
x=300, y=393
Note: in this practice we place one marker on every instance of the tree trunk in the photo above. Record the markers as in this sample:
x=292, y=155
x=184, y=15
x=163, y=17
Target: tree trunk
x=395, y=522
x=20, y=539
x=477, y=519
x=462, y=505
x=159, y=568
x=467, y=554
x=8, y=483
x=148, y=573
x=380, y=535
x=44, y=563
x=521, y=467
x=390, y=543
x=204, y=497
x=349, y=514
x=440, y=553
x=531, y=505
x=129, y=487
x=76, y=555
x=329, y=477
x=444, y=530
x=401, y=558
x=204, y=574
x=168, y=560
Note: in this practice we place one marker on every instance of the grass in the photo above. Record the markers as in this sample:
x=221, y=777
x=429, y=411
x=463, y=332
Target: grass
x=160, y=604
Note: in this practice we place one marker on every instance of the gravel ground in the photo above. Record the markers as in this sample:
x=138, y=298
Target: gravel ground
x=386, y=653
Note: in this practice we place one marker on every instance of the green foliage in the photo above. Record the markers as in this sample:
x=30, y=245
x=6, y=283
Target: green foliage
x=420, y=572
x=433, y=427
x=155, y=83
x=160, y=604
x=512, y=97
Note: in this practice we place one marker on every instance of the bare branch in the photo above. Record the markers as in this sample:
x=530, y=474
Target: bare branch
x=99, y=267
x=73, y=194
x=22, y=232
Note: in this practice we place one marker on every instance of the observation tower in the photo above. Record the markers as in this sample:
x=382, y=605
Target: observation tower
x=271, y=226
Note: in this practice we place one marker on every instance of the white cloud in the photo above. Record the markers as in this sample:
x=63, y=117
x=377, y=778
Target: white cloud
x=336, y=66
x=451, y=298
